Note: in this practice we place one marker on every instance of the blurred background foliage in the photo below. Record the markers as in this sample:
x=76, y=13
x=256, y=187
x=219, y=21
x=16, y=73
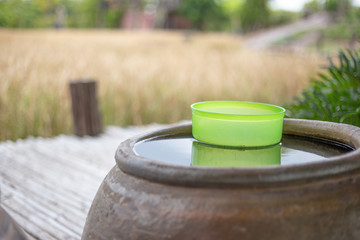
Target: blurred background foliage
x=221, y=15
x=254, y=15
x=157, y=67
x=204, y=14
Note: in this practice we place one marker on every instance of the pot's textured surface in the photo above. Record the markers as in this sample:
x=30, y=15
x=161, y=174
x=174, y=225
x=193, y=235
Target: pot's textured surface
x=142, y=199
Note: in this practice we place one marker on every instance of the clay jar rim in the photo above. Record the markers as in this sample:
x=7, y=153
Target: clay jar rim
x=152, y=170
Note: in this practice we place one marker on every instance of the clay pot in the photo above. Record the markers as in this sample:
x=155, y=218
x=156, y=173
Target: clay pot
x=144, y=199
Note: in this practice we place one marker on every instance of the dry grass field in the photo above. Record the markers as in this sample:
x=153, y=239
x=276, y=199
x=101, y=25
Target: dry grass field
x=143, y=77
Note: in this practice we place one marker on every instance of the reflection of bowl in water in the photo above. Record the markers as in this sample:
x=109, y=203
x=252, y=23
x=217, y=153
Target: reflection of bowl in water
x=237, y=124
x=214, y=156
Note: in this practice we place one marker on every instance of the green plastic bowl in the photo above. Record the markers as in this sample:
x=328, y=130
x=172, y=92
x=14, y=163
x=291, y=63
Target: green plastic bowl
x=237, y=124
x=205, y=155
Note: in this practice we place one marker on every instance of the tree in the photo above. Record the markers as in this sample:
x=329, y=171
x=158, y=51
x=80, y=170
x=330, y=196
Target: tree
x=312, y=7
x=17, y=13
x=340, y=8
x=203, y=14
x=232, y=9
x=29, y=13
x=255, y=14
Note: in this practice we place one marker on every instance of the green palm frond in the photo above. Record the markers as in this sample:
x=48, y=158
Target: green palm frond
x=334, y=95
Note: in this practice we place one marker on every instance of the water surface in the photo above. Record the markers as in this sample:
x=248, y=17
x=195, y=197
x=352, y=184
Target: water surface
x=184, y=150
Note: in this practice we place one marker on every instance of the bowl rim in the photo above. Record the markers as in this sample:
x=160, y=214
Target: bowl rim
x=281, y=109
x=341, y=165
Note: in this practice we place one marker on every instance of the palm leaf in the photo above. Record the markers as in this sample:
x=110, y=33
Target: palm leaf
x=334, y=95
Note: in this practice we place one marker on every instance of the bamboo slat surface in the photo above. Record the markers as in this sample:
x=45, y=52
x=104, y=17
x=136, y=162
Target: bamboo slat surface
x=47, y=185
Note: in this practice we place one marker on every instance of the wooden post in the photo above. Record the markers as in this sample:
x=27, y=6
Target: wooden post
x=85, y=110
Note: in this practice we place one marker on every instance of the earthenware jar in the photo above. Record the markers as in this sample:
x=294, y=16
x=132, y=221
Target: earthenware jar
x=144, y=199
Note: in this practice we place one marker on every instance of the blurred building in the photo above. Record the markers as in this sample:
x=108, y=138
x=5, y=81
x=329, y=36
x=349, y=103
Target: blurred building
x=138, y=14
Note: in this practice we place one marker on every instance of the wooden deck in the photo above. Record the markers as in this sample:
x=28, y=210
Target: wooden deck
x=47, y=185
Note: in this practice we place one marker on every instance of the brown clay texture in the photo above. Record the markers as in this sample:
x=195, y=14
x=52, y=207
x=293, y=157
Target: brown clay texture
x=141, y=199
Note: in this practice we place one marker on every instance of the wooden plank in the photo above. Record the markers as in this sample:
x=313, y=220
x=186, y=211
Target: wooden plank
x=55, y=202
x=29, y=227
x=53, y=208
x=37, y=213
x=82, y=189
x=9, y=229
x=47, y=185
x=63, y=189
x=65, y=161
